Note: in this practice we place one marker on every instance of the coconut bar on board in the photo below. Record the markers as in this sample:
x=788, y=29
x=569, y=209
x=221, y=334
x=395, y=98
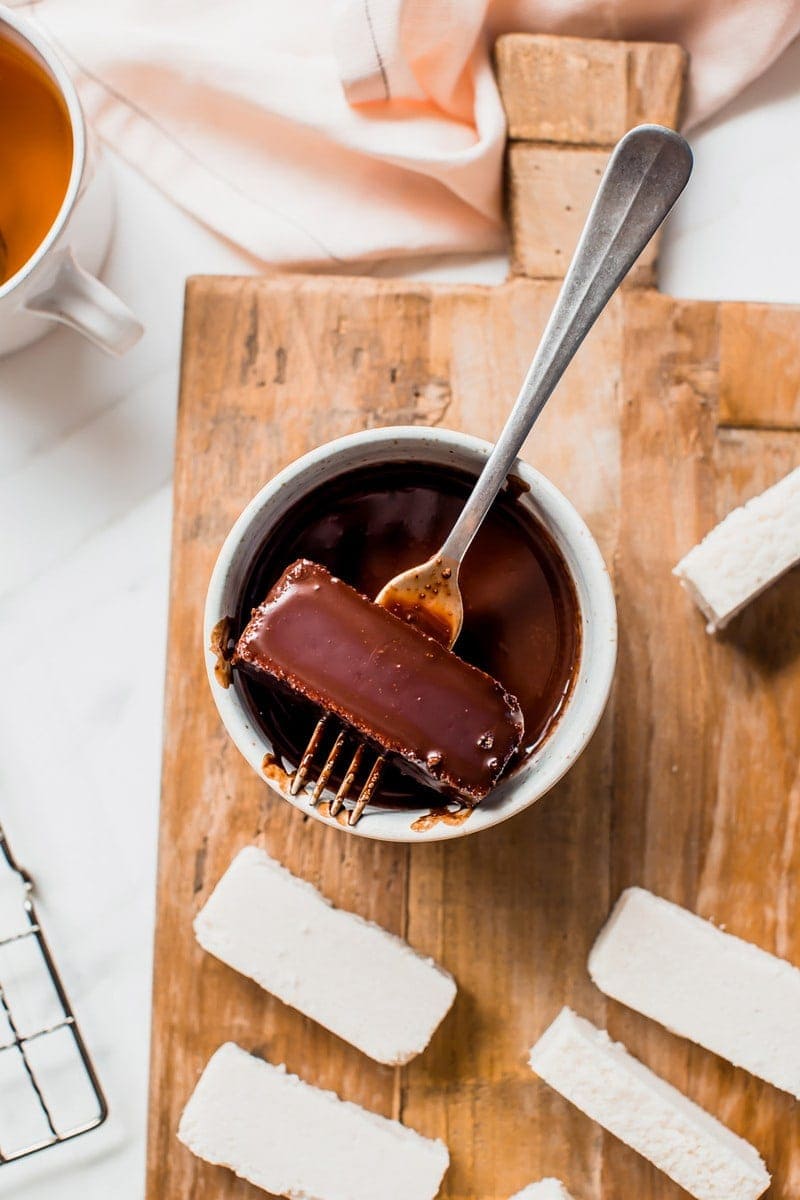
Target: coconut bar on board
x=364, y=984
x=745, y=553
x=612, y=1087
x=291, y=1139
x=545, y=1189
x=711, y=987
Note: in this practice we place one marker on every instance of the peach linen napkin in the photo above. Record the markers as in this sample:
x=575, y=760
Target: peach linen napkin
x=316, y=131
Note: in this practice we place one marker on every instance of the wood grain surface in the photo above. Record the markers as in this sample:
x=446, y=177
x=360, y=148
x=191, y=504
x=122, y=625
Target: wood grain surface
x=576, y=92
x=690, y=786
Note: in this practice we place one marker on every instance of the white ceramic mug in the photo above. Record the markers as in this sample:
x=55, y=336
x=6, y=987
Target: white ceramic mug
x=582, y=556
x=57, y=282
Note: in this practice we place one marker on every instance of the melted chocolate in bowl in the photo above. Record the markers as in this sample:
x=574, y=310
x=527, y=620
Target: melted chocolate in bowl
x=521, y=616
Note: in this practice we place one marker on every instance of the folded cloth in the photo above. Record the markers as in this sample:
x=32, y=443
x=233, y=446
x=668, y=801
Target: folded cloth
x=324, y=130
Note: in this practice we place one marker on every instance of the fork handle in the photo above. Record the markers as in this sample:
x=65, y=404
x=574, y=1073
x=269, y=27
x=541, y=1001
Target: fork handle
x=644, y=177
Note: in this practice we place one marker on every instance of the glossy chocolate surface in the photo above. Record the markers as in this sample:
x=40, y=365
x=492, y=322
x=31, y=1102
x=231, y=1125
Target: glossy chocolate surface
x=521, y=618
x=404, y=691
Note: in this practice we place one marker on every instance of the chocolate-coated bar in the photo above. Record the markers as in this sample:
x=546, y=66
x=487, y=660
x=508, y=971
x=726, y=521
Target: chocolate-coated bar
x=454, y=725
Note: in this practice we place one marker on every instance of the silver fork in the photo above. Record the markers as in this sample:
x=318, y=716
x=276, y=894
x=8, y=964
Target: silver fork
x=645, y=175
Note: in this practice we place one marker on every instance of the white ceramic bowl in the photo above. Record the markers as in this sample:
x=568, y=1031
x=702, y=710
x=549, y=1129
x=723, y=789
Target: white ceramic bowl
x=595, y=596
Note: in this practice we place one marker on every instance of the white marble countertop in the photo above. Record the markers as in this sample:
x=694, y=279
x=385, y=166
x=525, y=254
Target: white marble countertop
x=85, y=464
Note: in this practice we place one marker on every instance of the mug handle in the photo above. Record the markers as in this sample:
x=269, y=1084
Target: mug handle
x=77, y=299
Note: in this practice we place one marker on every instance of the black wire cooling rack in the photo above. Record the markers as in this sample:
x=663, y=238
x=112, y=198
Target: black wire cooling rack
x=17, y=1040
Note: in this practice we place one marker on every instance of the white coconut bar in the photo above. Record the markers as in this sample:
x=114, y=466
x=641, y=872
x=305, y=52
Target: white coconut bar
x=362, y=983
x=291, y=1139
x=602, y=1079
x=545, y=1189
x=711, y=987
x=745, y=553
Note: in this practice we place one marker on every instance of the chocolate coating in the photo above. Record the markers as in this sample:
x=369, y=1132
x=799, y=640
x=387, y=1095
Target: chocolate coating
x=401, y=689
x=521, y=617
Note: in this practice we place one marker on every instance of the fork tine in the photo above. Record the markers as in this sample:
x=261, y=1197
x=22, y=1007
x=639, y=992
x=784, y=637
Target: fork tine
x=325, y=773
x=368, y=790
x=347, y=782
x=304, y=766
x=308, y=756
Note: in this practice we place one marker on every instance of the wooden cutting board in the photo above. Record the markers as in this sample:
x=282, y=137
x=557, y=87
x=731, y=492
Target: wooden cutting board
x=673, y=413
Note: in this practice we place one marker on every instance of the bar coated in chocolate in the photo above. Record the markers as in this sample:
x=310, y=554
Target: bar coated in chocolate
x=455, y=725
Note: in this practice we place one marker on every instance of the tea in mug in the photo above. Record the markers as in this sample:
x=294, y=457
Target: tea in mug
x=35, y=155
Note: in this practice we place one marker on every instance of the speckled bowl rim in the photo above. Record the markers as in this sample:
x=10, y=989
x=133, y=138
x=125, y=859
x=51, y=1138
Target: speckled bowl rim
x=591, y=689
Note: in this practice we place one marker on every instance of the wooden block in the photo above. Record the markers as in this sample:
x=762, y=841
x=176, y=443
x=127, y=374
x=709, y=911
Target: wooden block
x=759, y=366
x=579, y=92
x=550, y=191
